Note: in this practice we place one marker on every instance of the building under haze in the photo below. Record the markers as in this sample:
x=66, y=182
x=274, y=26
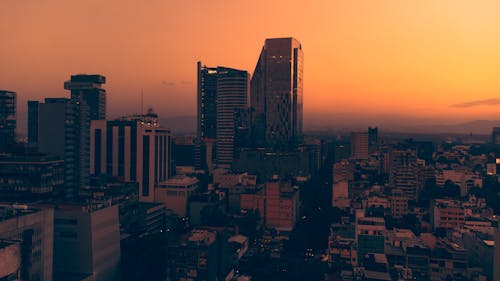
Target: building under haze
x=132, y=148
x=89, y=89
x=359, y=145
x=7, y=119
x=276, y=94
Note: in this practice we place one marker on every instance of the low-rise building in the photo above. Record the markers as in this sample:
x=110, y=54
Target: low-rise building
x=31, y=229
x=175, y=192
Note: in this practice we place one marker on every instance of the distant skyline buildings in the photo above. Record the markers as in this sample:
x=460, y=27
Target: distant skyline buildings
x=8, y=119
x=277, y=93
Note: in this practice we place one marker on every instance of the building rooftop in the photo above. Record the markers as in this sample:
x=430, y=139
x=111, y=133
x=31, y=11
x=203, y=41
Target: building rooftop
x=202, y=236
x=9, y=211
x=179, y=182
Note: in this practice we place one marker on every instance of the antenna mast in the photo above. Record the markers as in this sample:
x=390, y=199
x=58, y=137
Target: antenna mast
x=142, y=102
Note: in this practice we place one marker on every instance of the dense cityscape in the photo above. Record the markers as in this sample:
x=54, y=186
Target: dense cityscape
x=260, y=186
x=248, y=197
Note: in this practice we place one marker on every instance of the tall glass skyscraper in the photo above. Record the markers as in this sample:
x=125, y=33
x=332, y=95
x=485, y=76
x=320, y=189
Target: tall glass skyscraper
x=276, y=94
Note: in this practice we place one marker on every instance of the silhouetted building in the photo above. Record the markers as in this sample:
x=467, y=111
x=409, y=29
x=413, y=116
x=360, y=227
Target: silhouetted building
x=405, y=173
x=277, y=202
x=132, y=148
x=30, y=176
x=86, y=242
x=360, y=145
x=62, y=129
x=33, y=107
x=372, y=139
x=370, y=236
x=495, y=136
x=89, y=89
x=184, y=151
x=276, y=94
x=7, y=119
x=207, y=102
x=33, y=230
x=195, y=257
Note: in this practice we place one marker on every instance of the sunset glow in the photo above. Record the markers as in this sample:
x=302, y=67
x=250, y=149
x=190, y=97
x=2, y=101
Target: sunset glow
x=426, y=59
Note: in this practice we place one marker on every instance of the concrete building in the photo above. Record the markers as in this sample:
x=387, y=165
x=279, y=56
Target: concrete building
x=31, y=229
x=405, y=172
x=398, y=203
x=31, y=175
x=446, y=213
x=62, y=129
x=359, y=145
x=10, y=255
x=278, y=204
x=194, y=257
x=342, y=246
x=86, y=242
x=175, y=192
x=8, y=120
x=132, y=148
x=370, y=236
x=447, y=259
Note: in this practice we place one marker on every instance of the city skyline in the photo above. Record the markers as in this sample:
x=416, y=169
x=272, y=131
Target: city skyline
x=425, y=60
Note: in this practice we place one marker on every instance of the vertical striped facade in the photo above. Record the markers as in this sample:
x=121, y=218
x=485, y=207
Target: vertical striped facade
x=232, y=92
x=131, y=150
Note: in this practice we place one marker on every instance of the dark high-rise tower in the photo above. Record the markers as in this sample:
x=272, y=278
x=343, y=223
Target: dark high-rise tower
x=232, y=92
x=207, y=101
x=276, y=94
x=7, y=119
x=89, y=89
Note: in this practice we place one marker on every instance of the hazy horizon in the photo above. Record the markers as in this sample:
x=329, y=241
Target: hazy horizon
x=370, y=61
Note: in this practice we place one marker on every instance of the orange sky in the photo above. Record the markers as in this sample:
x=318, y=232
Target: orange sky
x=368, y=58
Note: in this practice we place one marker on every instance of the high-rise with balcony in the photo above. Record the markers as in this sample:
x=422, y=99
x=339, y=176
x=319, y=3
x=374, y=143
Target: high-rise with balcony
x=276, y=94
x=89, y=89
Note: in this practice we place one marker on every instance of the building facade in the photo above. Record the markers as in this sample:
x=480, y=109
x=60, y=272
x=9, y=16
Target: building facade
x=132, y=148
x=8, y=120
x=33, y=230
x=277, y=93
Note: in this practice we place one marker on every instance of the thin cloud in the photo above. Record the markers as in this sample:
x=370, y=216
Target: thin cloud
x=174, y=83
x=166, y=83
x=477, y=103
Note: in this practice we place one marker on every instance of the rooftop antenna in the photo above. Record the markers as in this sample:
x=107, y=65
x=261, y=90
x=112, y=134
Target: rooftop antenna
x=142, y=102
